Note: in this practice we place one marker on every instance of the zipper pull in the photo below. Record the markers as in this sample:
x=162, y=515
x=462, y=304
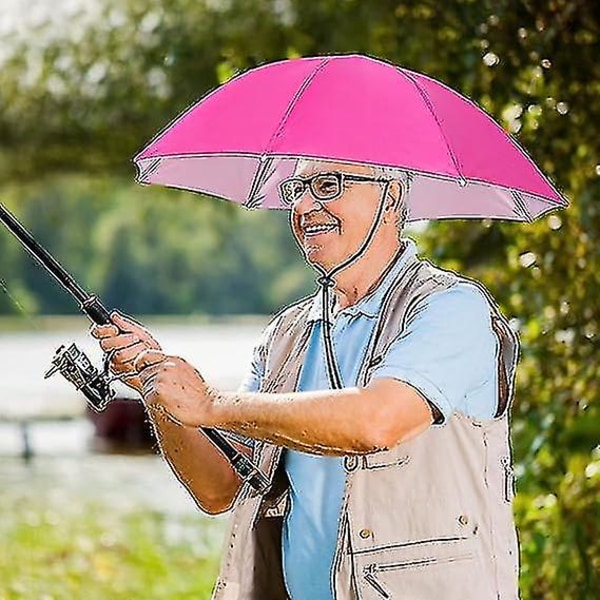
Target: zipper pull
x=369, y=571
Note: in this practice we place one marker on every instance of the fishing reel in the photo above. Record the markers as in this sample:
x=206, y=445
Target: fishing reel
x=77, y=368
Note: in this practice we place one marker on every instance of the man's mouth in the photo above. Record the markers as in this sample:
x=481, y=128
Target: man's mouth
x=318, y=229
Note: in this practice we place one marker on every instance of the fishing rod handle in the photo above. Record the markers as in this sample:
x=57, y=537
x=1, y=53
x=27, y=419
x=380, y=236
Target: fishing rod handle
x=95, y=310
x=249, y=472
x=240, y=463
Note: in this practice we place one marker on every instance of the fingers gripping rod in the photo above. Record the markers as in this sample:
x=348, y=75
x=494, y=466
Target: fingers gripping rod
x=74, y=365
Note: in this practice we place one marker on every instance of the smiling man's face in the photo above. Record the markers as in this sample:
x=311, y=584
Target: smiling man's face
x=330, y=232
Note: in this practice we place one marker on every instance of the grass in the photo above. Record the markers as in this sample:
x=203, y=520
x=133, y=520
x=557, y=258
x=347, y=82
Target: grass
x=87, y=552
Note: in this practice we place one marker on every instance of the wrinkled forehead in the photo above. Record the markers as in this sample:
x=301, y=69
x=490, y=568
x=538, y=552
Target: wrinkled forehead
x=307, y=167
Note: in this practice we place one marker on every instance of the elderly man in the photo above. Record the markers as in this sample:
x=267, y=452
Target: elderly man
x=396, y=485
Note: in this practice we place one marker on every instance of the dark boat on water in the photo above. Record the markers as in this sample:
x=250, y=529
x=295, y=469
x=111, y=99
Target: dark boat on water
x=122, y=427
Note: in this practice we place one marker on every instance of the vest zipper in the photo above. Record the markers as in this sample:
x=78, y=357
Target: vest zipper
x=370, y=579
x=377, y=568
x=372, y=569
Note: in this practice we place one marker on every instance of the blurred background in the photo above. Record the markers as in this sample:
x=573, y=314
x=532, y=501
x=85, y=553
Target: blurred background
x=86, y=509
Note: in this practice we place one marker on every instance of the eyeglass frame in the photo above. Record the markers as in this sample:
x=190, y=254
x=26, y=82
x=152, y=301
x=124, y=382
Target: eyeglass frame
x=307, y=182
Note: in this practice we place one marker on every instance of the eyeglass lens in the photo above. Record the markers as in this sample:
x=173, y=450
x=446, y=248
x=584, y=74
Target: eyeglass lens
x=323, y=186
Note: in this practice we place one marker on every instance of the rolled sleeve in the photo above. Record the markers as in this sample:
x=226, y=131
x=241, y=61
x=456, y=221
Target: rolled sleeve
x=251, y=383
x=447, y=351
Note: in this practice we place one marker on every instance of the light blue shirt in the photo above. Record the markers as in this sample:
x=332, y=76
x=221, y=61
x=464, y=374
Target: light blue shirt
x=447, y=351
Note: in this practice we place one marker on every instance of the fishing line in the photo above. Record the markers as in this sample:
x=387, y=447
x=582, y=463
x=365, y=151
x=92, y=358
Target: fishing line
x=20, y=308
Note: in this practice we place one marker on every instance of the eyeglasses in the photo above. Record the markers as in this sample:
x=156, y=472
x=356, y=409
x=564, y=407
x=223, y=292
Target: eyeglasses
x=324, y=187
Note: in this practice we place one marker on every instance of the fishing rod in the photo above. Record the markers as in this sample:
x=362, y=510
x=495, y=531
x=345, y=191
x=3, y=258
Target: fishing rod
x=77, y=368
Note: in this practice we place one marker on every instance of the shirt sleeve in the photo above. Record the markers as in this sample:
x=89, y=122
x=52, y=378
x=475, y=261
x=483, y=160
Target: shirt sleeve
x=251, y=382
x=448, y=351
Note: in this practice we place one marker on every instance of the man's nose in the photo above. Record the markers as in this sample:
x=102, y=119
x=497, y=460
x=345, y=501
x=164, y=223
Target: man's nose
x=306, y=203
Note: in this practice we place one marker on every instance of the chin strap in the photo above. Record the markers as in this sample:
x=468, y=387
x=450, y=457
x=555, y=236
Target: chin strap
x=333, y=370
x=327, y=281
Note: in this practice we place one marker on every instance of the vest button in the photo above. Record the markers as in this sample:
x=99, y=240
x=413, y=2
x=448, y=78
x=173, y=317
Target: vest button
x=364, y=533
x=463, y=520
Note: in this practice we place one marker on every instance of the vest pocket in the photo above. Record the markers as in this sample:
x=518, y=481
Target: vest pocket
x=373, y=571
x=436, y=568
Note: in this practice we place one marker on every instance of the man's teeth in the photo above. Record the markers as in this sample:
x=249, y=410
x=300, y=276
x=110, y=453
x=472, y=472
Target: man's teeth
x=316, y=229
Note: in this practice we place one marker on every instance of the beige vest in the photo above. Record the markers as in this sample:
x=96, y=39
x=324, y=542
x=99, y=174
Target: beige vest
x=429, y=519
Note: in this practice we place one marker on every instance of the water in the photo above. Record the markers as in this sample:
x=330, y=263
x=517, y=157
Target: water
x=221, y=351
x=59, y=434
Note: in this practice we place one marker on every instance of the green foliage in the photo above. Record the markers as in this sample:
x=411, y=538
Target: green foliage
x=89, y=552
x=150, y=251
x=546, y=276
x=85, y=99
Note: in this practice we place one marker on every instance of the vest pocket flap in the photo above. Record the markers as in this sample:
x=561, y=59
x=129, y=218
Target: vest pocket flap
x=382, y=460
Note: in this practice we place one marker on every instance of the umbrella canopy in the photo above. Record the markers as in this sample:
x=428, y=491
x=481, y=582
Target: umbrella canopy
x=239, y=141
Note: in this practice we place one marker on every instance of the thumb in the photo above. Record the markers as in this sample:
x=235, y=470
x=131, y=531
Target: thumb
x=127, y=324
x=124, y=322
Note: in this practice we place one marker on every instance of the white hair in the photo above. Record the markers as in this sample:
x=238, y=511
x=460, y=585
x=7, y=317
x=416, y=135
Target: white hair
x=405, y=179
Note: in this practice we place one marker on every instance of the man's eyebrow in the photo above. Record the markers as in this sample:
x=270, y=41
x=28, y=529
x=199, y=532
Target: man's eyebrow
x=309, y=175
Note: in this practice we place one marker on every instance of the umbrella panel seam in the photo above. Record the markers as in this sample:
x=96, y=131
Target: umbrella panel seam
x=253, y=199
x=294, y=101
x=430, y=108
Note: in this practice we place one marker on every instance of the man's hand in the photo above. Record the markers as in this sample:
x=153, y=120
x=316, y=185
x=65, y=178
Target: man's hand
x=173, y=386
x=124, y=341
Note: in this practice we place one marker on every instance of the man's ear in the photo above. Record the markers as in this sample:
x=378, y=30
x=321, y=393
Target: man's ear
x=395, y=191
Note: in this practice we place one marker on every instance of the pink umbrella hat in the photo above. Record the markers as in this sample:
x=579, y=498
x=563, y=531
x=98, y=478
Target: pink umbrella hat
x=241, y=140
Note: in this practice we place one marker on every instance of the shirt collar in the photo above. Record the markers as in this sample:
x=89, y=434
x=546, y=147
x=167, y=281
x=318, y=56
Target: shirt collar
x=370, y=305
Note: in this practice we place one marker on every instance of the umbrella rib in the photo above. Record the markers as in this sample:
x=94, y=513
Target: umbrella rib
x=430, y=107
x=264, y=171
x=253, y=199
x=521, y=206
x=295, y=99
x=145, y=173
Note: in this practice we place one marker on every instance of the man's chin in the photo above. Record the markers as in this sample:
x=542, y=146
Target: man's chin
x=314, y=257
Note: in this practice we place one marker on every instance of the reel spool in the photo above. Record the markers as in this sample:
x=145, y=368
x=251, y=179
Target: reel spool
x=76, y=367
